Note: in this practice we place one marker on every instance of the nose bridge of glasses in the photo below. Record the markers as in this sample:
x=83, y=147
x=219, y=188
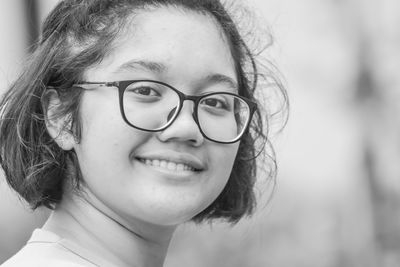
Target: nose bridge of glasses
x=190, y=98
x=186, y=124
x=176, y=111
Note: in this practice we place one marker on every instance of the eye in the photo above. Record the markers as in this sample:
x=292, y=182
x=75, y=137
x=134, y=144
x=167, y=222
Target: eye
x=145, y=91
x=214, y=102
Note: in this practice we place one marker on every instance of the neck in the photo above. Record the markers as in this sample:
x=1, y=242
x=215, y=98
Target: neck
x=121, y=242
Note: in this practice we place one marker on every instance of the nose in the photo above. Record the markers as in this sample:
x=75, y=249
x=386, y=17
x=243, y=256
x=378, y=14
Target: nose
x=184, y=128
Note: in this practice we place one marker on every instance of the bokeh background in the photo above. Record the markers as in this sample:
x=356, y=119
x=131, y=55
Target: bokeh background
x=337, y=199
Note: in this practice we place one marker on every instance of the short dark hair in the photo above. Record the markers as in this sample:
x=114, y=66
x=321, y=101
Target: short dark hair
x=76, y=35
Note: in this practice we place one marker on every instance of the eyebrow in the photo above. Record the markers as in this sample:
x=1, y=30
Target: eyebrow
x=158, y=67
x=133, y=65
x=220, y=78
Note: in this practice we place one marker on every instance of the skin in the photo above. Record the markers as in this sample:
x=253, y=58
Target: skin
x=136, y=207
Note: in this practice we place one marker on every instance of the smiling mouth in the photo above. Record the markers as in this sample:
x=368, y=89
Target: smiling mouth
x=168, y=165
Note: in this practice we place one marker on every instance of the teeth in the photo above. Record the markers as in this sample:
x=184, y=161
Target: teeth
x=172, y=166
x=180, y=167
x=163, y=164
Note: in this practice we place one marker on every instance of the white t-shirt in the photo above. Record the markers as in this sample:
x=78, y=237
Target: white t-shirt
x=46, y=249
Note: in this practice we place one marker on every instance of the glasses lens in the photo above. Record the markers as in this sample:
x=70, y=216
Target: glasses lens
x=223, y=117
x=150, y=105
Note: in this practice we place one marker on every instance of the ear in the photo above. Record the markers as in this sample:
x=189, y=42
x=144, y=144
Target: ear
x=58, y=127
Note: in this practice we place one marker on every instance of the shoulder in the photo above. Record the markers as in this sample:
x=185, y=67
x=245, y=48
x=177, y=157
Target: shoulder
x=45, y=252
x=29, y=262
x=34, y=255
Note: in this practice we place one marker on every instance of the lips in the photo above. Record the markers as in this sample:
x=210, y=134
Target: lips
x=170, y=165
x=173, y=161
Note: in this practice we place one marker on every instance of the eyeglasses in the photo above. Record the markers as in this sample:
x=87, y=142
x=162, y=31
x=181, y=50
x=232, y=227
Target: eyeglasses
x=152, y=106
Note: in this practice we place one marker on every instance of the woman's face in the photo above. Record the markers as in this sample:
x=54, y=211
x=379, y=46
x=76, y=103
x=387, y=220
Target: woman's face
x=147, y=176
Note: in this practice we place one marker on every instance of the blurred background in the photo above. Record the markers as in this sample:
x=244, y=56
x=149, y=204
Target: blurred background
x=337, y=200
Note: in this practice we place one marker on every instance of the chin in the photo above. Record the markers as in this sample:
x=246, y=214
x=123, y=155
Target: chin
x=171, y=216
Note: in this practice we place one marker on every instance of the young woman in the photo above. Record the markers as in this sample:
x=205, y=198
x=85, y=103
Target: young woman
x=131, y=118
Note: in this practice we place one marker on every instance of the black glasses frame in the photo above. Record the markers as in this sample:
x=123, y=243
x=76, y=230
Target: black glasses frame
x=122, y=85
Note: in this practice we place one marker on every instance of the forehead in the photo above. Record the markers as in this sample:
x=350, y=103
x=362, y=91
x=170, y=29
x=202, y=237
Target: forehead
x=181, y=39
x=176, y=22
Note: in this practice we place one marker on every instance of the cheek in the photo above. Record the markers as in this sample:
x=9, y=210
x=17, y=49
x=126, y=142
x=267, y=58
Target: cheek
x=106, y=140
x=106, y=151
x=222, y=161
